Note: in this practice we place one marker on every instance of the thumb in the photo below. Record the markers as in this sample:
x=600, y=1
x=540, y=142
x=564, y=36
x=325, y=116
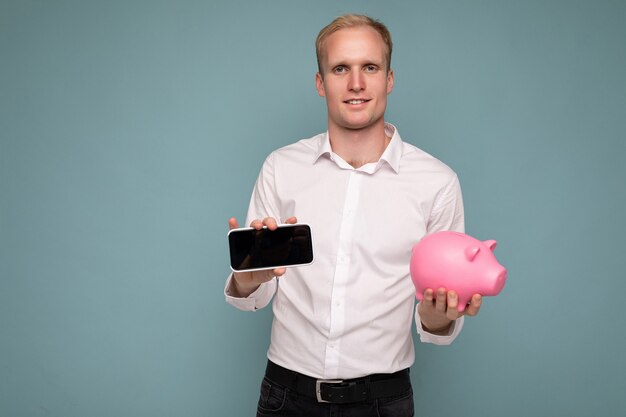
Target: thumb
x=233, y=223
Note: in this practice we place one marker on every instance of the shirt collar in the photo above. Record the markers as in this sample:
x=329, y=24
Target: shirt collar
x=391, y=156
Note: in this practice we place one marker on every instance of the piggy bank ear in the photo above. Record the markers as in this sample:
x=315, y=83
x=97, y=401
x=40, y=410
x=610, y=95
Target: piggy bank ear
x=471, y=252
x=491, y=244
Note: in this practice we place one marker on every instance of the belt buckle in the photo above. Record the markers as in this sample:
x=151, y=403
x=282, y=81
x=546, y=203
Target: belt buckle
x=318, y=388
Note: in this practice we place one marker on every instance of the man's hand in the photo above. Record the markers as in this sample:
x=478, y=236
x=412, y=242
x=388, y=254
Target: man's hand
x=245, y=283
x=438, y=312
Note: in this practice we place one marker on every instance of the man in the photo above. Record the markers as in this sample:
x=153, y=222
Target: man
x=341, y=335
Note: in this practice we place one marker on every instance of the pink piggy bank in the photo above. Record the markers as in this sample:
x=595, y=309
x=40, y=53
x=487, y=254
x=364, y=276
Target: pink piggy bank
x=456, y=262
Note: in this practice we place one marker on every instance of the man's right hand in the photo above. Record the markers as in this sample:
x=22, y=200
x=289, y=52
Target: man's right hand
x=245, y=283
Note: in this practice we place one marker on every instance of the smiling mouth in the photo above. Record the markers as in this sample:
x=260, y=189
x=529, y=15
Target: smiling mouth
x=359, y=101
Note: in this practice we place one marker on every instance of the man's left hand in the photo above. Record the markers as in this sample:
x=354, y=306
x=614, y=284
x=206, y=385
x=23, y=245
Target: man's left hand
x=437, y=312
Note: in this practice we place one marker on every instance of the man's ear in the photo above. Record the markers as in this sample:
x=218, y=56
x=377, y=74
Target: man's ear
x=319, y=84
x=390, y=81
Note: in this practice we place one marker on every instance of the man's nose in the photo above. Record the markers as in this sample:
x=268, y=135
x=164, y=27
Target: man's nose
x=356, y=81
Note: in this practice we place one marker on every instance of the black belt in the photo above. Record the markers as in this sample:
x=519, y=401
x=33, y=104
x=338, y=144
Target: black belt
x=341, y=391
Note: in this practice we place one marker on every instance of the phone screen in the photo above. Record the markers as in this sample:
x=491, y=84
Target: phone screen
x=251, y=249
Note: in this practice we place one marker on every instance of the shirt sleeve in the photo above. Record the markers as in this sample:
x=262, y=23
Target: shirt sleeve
x=258, y=299
x=448, y=212
x=263, y=203
x=426, y=337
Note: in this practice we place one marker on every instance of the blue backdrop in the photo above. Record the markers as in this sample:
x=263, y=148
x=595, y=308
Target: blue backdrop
x=131, y=131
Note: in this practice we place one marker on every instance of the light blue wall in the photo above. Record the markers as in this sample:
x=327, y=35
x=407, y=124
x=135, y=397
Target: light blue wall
x=130, y=131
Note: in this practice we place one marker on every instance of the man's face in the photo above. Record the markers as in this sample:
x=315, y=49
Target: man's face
x=355, y=79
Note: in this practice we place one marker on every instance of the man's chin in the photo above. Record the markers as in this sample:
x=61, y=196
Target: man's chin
x=355, y=125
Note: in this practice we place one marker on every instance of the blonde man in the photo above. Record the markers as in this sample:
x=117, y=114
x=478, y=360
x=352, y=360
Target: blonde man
x=341, y=336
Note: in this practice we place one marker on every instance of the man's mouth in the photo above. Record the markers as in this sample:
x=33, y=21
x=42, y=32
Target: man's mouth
x=356, y=101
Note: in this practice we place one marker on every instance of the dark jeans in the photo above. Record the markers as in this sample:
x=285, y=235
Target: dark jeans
x=276, y=400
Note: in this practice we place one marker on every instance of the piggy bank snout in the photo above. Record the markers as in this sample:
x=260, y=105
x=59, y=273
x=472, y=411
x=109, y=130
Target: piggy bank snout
x=500, y=280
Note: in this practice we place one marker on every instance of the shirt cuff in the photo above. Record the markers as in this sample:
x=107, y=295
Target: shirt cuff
x=426, y=337
x=258, y=299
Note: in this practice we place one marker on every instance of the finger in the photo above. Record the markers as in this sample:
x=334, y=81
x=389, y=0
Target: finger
x=428, y=295
x=452, y=312
x=292, y=220
x=474, y=306
x=279, y=272
x=270, y=222
x=257, y=224
x=440, y=303
x=232, y=223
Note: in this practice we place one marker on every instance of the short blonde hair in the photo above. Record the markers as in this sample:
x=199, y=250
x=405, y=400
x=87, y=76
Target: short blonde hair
x=352, y=21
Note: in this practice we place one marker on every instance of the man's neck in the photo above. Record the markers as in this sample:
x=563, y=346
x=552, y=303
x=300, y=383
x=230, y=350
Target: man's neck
x=359, y=146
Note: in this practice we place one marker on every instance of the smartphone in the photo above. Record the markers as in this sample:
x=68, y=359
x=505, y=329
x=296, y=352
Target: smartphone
x=253, y=250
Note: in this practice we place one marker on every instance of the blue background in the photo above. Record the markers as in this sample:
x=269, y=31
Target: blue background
x=131, y=131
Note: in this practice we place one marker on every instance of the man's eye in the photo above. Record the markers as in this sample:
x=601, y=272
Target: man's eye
x=339, y=70
x=371, y=68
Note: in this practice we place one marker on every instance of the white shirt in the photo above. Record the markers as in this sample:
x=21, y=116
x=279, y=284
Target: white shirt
x=349, y=313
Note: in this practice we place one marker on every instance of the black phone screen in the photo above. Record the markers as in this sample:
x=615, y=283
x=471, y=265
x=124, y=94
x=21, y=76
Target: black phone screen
x=288, y=245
